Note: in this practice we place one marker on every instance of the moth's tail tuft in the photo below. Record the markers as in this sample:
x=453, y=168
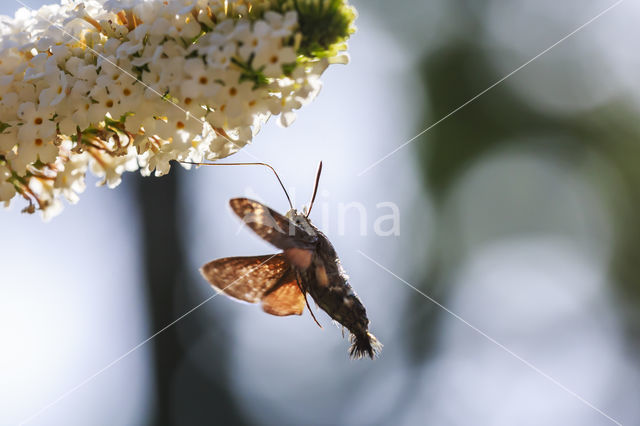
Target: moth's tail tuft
x=364, y=344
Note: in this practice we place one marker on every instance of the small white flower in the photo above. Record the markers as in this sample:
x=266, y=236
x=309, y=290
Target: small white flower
x=36, y=123
x=184, y=26
x=104, y=102
x=271, y=56
x=110, y=168
x=57, y=90
x=143, y=115
x=170, y=72
x=33, y=150
x=77, y=116
x=220, y=57
x=70, y=181
x=200, y=81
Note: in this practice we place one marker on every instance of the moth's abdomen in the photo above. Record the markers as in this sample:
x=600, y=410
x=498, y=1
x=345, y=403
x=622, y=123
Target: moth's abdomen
x=334, y=295
x=327, y=283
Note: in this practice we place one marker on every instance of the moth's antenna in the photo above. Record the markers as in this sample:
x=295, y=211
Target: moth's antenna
x=315, y=188
x=246, y=164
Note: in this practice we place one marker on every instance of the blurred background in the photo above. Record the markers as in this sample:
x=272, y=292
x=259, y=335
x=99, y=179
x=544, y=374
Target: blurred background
x=519, y=213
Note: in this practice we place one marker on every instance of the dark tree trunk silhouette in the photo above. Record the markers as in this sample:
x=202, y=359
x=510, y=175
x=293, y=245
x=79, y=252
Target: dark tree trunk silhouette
x=166, y=280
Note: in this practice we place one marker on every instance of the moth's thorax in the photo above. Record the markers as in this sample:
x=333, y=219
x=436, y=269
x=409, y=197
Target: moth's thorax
x=302, y=221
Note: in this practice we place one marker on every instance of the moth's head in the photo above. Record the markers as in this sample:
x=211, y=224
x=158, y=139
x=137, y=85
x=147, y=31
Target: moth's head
x=301, y=220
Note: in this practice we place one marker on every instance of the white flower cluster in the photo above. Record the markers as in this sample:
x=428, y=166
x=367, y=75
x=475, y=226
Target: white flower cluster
x=132, y=84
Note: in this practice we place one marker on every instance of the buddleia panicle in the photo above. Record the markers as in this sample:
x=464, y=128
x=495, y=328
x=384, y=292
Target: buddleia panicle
x=119, y=86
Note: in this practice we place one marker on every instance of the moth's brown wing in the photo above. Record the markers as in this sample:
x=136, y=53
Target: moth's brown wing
x=246, y=278
x=271, y=225
x=285, y=299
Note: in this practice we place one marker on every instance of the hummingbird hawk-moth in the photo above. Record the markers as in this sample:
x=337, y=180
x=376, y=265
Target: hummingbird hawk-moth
x=308, y=264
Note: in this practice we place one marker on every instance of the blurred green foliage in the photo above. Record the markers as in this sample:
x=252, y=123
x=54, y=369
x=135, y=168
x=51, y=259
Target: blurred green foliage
x=502, y=119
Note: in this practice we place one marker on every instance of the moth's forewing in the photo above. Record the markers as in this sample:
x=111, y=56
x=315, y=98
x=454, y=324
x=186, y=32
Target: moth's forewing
x=271, y=225
x=285, y=299
x=246, y=278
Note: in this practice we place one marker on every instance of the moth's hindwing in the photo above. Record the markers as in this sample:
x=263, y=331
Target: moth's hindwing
x=271, y=225
x=252, y=279
x=246, y=278
x=286, y=298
